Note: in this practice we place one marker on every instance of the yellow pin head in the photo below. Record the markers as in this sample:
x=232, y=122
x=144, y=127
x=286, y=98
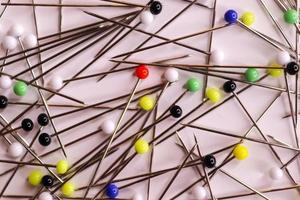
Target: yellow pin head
x=213, y=94
x=240, y=152
x=68, y=189
x=146, y=103
x=141, y=146
x=35, y=177
x=248, y=18
x=62, y=166
x=275, y=72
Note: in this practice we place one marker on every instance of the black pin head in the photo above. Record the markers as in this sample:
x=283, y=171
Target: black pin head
x=176, y=111
x=229, y=86
x=27, y=124
x=3, y=102
x=47, y=181
x=155, y=7
x=43, y=119
x=45, y=139
x=292, y=68
x=209, y=161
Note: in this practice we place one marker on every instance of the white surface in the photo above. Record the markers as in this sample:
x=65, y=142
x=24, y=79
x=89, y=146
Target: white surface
x=240, y=48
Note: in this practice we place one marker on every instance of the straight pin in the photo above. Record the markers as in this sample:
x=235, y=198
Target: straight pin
x=44, y=102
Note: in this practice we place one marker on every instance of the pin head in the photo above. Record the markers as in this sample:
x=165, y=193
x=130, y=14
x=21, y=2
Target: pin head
x=291, y=16
x=229, y=86
x=155, y=7
x=141, y=146
x=231, y=16
x=213, y=94
x=45, y=139
x=68, y=189
x=30, y=41
x=5, y=82
x=20, y=88
x=16, y=30
x=240, y=152
x=9, y=43
x=15, y=150
x=199, y=192
x=137, y=196
x=146, y=103
x=3, y=101
x=142, y=72
x=108, y=126
x=248, y=18
x=171, y=75
x=35, y=177
x=112, y=190
x=43, y=119
x=45, y=196
x=276, y=173
x=193, y=85
x=27, y=124
x=62, y=166
x=55, y=83
x=283, y=58
x=146, y=17
x=251, y=75
x=209, y=161
x=292, y=68
x=217, y=57
x=176, y=111
x=47, y=181
x=275, y=72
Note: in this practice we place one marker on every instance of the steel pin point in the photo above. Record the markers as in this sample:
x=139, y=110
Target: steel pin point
x=177, y=172
x=246, y=185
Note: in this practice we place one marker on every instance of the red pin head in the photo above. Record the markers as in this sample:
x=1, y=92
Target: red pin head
x=142, y=72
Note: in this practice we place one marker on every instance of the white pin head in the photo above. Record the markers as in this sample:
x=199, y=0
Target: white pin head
x=137, y=196
x=5, y=82
x=276, y=173
x=146, y=17
x=45, y=196
x=16, y=30
x=55, y=83
x=283, y=58
x=199, y=192
x=217, y=57
x=108, y=126
x=171, y=75
x=9, y=43
x=29, y=41
x=15, y=150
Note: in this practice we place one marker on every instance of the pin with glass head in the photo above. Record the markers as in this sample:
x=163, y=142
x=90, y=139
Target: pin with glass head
x=108, y=127
x=45, y=196
x=62, y=167
x=3, y=102
x=146, y=17
x=27, y=124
